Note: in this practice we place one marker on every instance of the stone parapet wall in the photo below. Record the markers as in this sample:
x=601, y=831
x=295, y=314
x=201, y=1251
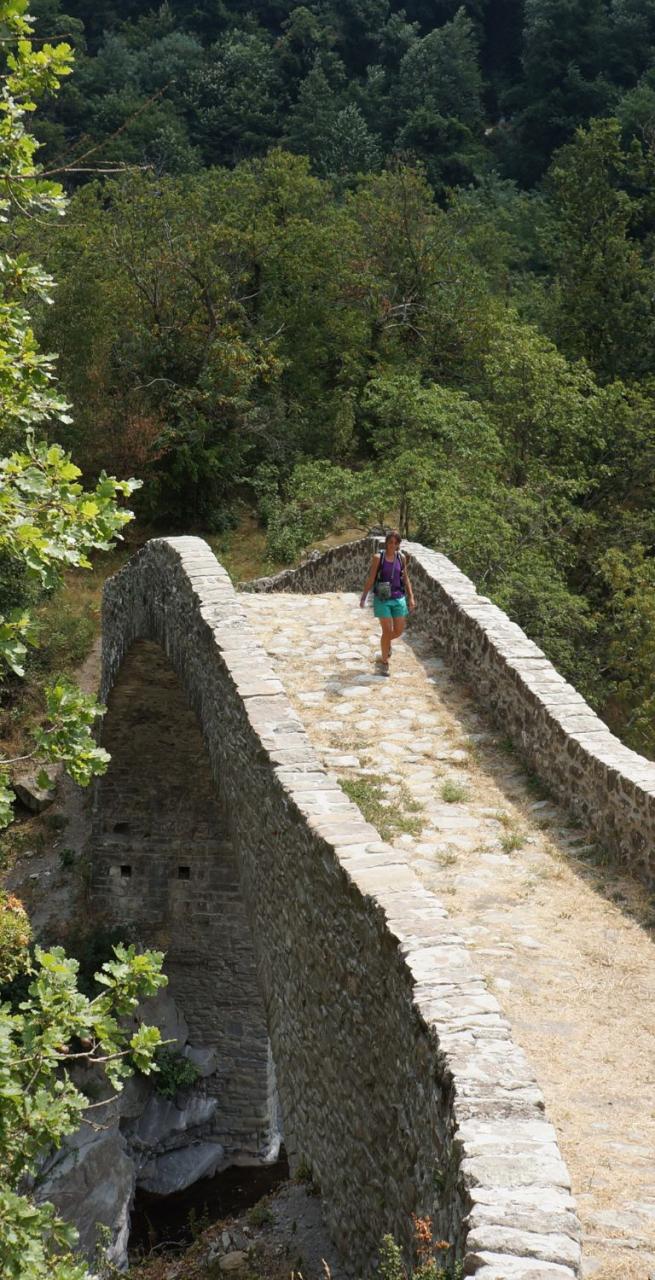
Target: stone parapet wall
x=342, y=568
x=398, y=1079
x=610, y=787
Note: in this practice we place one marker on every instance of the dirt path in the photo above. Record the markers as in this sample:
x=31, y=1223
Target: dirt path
x=564, y=941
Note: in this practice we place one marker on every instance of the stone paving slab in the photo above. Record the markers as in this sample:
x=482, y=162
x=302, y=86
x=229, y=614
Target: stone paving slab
x=574, y=970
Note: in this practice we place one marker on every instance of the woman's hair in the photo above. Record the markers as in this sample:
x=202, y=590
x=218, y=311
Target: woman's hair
x=392, y=536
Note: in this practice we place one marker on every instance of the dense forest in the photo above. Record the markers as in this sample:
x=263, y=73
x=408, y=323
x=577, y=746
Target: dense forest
x=346, y=261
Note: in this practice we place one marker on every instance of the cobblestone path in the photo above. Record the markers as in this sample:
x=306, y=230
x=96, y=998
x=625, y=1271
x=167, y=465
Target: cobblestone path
x=564, y=941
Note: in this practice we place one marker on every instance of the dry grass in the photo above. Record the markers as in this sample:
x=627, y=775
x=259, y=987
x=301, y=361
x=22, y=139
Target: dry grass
x=453, y=792
x=512, y=840
x=626, y=1269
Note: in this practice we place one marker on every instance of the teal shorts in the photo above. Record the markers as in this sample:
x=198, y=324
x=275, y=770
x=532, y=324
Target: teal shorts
x=390, y=608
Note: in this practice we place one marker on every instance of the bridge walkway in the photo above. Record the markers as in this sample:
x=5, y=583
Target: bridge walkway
x=563, y=940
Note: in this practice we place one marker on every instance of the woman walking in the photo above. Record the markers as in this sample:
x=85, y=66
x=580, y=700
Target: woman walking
x=393, y=593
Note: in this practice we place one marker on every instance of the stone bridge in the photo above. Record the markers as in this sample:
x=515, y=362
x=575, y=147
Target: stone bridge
x=342, y=1000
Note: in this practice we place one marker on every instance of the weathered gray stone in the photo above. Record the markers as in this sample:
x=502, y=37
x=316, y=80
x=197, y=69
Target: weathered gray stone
x=204, y=1060
x=491, y=1266
x=175, y=1170
x=95, y=1171
x=133, y=1098
x=162, y=1120
x=539, y=1211
x=28, y=791
x=517, y=1242
x=234, y=1261
x=91, y=1183
x=161, y=1011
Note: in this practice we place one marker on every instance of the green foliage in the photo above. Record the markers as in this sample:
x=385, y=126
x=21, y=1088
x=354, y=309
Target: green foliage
x=92, y=945
x=261, y=1215
x=35, y=1242
x=392, y=1265
x=48, y=522
x=68, y=737
x=408, y=415
x=440, y=91
x=317, y=497
x=55, y=1027
x=235, y=98
x=15, y=933
x=629, y=577
x=466, y=88
x=602, y=305
x=453, y=792
x=512, y=840
x=65, y=629
x=332, y=131
x=305, y=1175
x=563, y=81
x=173, y=1073
x=392, y=811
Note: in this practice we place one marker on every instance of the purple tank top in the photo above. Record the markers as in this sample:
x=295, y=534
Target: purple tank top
x=391, y=571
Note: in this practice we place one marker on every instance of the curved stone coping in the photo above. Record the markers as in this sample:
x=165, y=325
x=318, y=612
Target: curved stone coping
x=605, y=783
x=399, y=1080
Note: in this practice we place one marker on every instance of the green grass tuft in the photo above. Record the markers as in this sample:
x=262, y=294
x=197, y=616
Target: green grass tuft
x=453, y=792
x=400, y=815
x=512, y=840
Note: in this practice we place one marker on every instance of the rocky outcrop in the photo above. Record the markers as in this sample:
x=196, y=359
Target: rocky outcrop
x=177, y=1170
x=91, y=1182
x=164, y=1121
x=138, y=1139
x=31, y=794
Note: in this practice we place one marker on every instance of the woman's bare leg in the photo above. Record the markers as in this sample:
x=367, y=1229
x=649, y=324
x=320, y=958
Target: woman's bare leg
x=398, y=628
x=385, y=639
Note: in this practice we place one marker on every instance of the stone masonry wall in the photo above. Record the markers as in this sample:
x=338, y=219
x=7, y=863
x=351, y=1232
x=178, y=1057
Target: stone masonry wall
x=610, y=787
x=398, y=1078
x=342, y=568
x=165, y=871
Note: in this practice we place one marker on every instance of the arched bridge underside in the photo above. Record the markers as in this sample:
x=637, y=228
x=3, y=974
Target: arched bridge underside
x=294, y=935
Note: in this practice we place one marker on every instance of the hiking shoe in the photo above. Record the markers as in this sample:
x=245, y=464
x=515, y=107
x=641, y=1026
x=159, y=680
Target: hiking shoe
x=383, y=667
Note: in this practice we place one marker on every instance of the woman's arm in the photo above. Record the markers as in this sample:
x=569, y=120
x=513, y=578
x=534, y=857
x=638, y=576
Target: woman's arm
x=372, y=575
x=410, y=590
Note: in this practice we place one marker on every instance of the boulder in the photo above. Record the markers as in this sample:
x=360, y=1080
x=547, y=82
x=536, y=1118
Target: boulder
x=90, y=1181
x=160, y=1144
x=28, y=791
x=204, y=1059
x=134, y=1097
x=161, y=1011
x=234, y=1261
x=176, y=1170
x=162, y=1122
